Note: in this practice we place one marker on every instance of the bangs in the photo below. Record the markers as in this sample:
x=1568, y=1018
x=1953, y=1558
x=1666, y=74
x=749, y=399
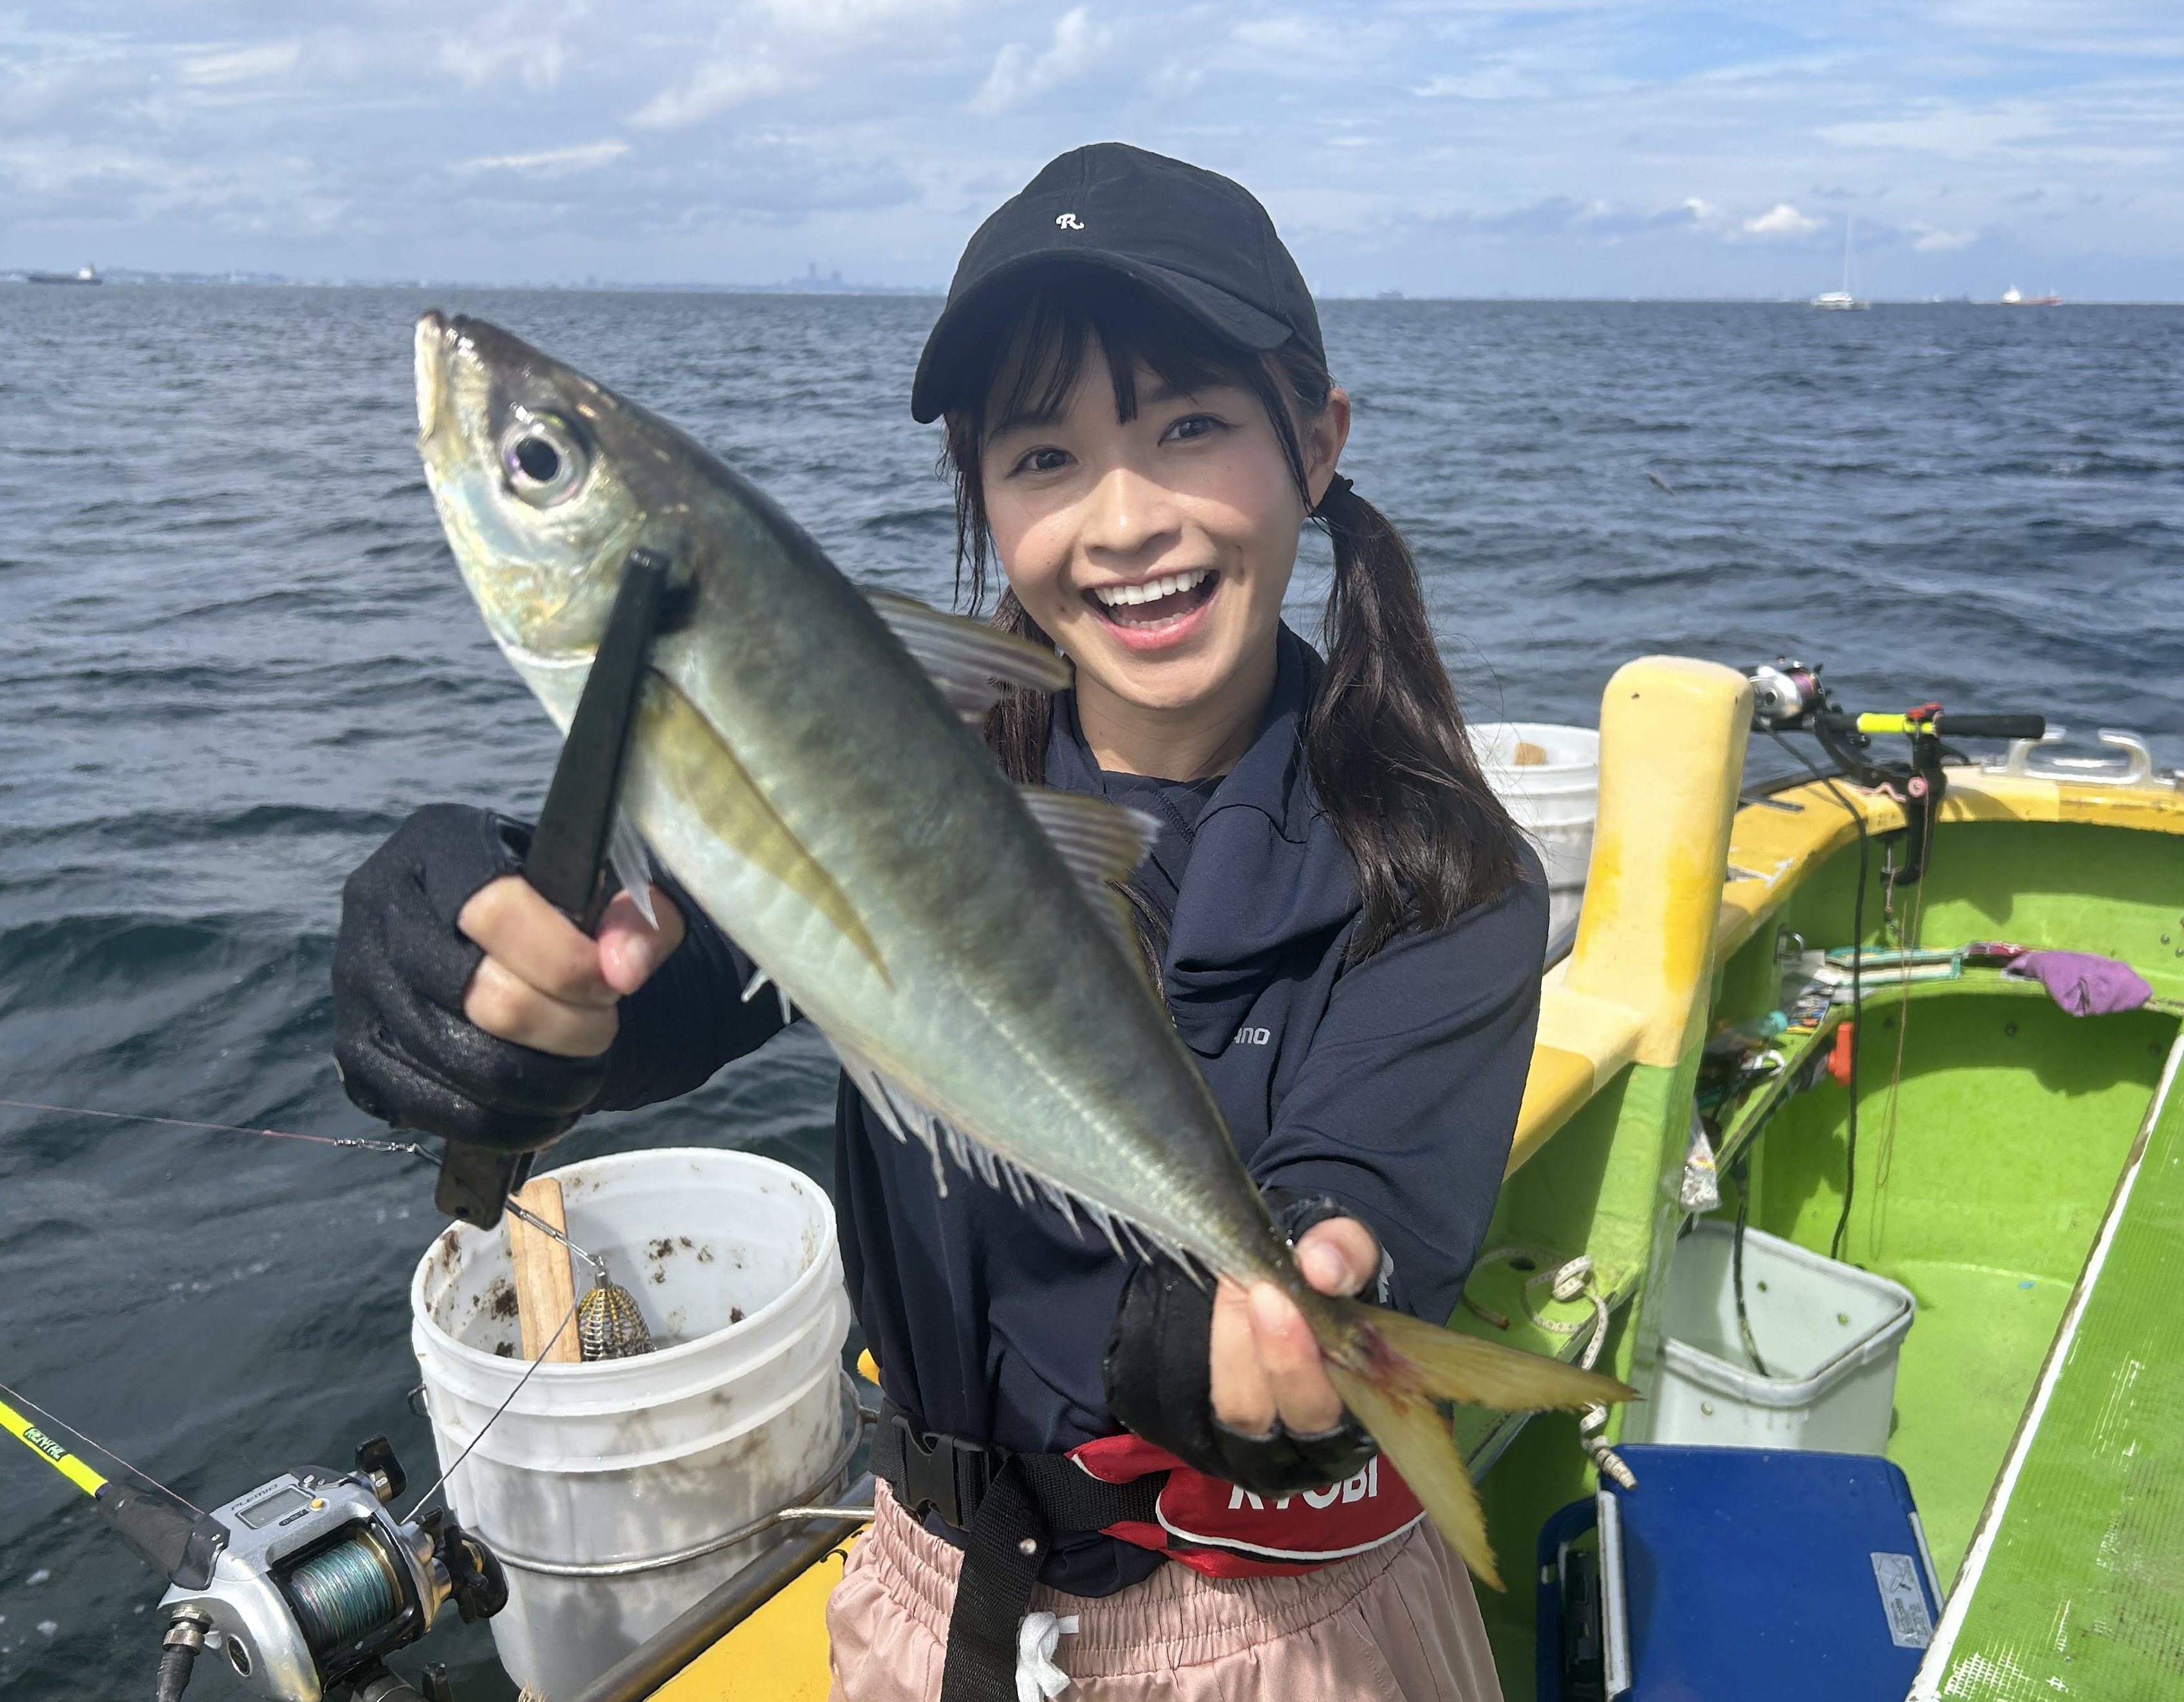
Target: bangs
x=1055, y=325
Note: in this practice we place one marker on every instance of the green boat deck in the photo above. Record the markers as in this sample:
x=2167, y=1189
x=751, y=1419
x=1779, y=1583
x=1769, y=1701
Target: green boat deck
x=2074, y=1585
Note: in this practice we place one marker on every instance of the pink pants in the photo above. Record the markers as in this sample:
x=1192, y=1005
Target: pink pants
x=1399, y=1624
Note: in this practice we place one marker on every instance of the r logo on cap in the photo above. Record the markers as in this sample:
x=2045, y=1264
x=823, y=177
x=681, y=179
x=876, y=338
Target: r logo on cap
x=1066, y=221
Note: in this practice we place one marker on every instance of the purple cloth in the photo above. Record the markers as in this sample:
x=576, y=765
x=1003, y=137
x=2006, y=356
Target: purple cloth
x=2082, y=983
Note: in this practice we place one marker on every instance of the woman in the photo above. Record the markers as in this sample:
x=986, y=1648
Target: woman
x=1347, y=930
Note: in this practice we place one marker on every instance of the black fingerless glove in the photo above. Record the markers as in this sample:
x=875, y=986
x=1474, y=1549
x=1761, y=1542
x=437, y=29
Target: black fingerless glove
x=1158, y=1382
x=406, y=1052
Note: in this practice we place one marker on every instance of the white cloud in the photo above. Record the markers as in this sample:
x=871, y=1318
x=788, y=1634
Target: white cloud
x=1498, y=79
x=241, y=65
x=1513, y=141
x=769, y=47
x=1954, y=132
x=1781, y=220
x=715, y=87
x=1018, y=74
x=526, y=40
x=552, y=162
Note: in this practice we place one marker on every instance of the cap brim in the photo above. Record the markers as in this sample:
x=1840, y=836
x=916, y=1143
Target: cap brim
x=1233, y=319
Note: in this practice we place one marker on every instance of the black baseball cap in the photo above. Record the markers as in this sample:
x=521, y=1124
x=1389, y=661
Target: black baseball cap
x=1197, y=238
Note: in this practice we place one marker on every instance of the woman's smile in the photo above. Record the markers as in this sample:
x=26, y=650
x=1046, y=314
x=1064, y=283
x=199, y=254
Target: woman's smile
x=1156, y=612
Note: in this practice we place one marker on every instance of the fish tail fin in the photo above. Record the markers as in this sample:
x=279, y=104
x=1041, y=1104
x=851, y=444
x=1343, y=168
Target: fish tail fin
x=1390, y=1369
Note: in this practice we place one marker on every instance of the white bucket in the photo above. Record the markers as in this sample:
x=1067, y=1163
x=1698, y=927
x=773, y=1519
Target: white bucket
x=1553, y=788
x=1829, y=1334
x=597, y=1475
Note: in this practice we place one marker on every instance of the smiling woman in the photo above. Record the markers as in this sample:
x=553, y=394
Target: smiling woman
x=1145, y=485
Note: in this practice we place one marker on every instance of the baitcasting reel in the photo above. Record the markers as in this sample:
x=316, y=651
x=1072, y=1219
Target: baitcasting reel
x=1787, y=697
x=306, y=1582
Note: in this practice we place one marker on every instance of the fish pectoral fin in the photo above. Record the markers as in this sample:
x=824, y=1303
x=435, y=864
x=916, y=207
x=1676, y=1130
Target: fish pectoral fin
x=973, y=664
x=689, y=757
x=1101, y=843
x=632, y=865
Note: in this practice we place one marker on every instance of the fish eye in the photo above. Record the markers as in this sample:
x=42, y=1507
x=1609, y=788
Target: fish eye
x=543, y=458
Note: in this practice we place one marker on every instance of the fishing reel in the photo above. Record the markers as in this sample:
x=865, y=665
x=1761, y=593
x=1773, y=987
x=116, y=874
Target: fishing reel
x=1788, y=697
x=310, y=1581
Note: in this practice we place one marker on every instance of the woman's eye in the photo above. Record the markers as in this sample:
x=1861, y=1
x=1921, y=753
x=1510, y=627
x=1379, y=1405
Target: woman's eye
x=1193, y=426
x=1043, y=460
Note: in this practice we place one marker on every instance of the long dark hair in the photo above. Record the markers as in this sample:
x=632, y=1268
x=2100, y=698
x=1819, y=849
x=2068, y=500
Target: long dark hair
x=1384, y=743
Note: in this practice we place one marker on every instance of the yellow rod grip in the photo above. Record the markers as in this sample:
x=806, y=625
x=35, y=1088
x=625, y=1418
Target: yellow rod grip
x=50, y=1451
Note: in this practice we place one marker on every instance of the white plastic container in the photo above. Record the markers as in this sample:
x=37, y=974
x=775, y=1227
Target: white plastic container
x=1549, y=778
x=597, y=1475
x=1828, y=1333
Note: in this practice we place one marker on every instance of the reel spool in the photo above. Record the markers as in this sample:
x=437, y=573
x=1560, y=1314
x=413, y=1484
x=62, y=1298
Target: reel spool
x=317, y=1581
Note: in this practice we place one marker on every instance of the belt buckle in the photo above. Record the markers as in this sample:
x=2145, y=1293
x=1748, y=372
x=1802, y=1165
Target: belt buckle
x=945, y=1474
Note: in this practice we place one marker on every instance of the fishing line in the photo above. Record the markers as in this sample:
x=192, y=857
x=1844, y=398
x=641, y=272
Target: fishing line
x=98, y=1446
x=567, y=1317
x=362, y=1143
x=400, y=1148
x=1857, y=984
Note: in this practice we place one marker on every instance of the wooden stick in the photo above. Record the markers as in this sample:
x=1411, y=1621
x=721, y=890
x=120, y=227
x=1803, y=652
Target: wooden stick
x=545, y=1282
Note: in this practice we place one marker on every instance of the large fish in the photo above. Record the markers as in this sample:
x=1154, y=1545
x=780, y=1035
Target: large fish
x=801, y=763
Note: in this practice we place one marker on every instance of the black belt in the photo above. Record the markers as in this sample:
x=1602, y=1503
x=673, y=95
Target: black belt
x=1009, y=1506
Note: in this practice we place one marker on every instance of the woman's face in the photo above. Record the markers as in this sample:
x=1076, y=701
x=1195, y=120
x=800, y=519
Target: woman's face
x=1155, y=551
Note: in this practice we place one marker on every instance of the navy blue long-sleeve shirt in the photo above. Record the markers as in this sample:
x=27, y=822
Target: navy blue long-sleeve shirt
x=1392, y=1084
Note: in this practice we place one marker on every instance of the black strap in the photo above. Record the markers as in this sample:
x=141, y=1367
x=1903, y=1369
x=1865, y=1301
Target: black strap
x=1009, y=1506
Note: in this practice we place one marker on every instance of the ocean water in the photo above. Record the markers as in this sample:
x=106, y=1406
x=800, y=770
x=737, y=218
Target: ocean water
x=236, y=655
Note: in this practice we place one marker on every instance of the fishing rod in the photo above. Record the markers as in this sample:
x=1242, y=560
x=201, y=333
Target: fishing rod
x=1787, y=696
x=305, y=1582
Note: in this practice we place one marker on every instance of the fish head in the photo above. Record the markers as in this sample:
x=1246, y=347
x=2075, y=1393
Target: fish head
x=540, y=475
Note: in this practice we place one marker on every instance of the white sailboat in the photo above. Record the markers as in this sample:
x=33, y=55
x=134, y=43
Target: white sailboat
x=1840, y=299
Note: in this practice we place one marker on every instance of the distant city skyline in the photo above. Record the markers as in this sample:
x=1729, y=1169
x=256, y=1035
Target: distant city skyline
x=1583, y=149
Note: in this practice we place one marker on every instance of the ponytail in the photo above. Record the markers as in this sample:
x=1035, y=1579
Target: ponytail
x=1384, y=743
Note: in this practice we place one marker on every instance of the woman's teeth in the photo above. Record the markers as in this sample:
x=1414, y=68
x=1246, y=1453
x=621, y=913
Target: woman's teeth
x=1156, y=600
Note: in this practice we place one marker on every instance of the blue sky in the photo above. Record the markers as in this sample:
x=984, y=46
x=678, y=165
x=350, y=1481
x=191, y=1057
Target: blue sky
x=1439, y=149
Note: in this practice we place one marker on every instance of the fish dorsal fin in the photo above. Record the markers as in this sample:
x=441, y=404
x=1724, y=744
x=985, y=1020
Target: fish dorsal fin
x=972, y=663
x=1101, y=842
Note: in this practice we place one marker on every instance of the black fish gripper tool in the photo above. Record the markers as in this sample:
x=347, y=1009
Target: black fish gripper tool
x=567, y=862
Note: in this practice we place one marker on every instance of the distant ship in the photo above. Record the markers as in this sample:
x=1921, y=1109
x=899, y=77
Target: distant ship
x=86, y=273
x=2015, y=296
x=1842, y=299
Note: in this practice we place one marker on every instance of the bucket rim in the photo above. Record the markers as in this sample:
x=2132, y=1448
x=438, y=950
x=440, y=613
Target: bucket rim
x=1545, y=734
x=511, y=1370
x=1724, y=1378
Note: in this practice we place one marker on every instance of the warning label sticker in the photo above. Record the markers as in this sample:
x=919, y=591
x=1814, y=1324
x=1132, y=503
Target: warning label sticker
x=1909, y=1625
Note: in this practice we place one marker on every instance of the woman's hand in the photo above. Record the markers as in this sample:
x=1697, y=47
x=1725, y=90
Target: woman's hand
x=542, y=983
x=464, y=1004
x=1266, y=1365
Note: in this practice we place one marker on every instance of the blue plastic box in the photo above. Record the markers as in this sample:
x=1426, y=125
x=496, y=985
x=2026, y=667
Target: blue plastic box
x=1733, y=1573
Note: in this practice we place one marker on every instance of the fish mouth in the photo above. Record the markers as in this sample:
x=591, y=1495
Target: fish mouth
x=1158, y=608
x=434, y=340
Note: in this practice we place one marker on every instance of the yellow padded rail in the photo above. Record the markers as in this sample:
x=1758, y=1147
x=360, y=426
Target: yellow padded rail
x=1672, y=737
x=1771, y=850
